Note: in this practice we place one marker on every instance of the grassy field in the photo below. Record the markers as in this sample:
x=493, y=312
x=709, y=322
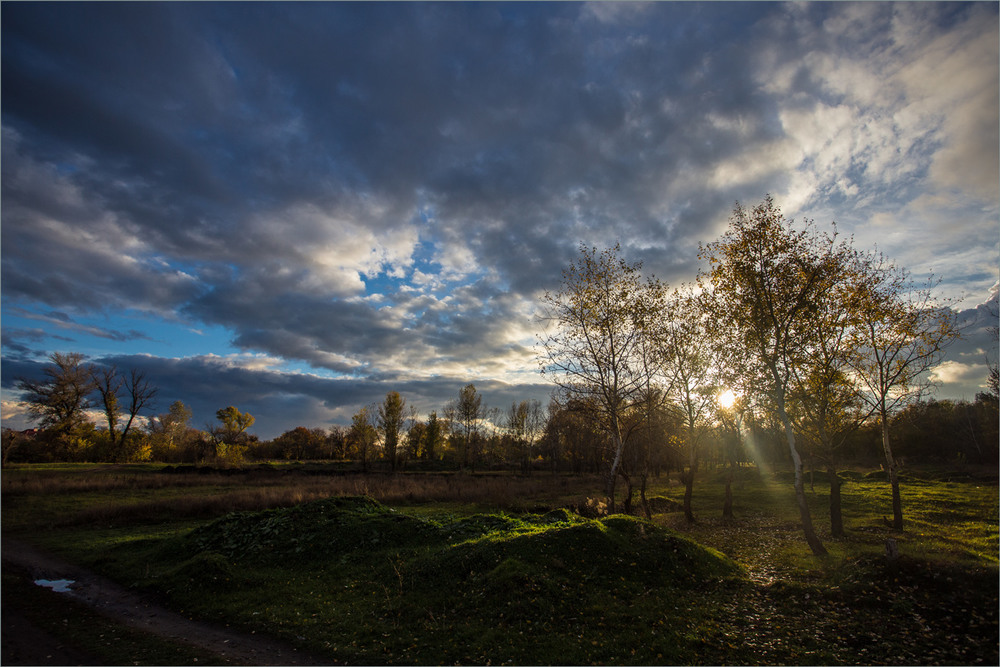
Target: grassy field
x=443, y=569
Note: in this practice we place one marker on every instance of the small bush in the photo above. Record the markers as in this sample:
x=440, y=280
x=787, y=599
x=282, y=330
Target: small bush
x=592, y=508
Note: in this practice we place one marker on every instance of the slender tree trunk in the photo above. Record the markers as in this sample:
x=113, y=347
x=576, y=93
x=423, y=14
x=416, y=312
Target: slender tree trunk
x=627, y=508
x=687, y=477
x=836, y=515
x=609, y=485
x=891, y=471
x=800, y=493
x=727, y=504
x=642, y=497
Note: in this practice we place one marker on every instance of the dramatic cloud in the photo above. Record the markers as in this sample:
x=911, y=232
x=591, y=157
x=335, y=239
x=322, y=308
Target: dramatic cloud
x=373, y=196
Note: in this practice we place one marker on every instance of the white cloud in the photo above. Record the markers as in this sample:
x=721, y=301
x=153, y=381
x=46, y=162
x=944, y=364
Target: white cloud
x=339, y=245
x=15, y=415
x=956, y=373
x=615, y=12
x=251, y=361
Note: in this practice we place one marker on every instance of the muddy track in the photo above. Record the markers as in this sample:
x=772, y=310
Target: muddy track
x=129, y=608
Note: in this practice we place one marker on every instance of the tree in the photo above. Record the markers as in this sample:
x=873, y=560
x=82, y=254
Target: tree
x=573, y=432
x=764, y=283
x=231, y=438
x=60, y=400
x=731, y=411
x=466, y=414
x=687, y=361
x=593, y=348
x=823, y=399
x=524, y=424
x=825, y=407
x=174, y=422
x=900, y=332
x=10, y=440
x=108, y=383
x=363, y=434
x=171, y=431
x=992, y=362
x=433, y=437
x=337, y=442
x=300, y=443
x=391, y=416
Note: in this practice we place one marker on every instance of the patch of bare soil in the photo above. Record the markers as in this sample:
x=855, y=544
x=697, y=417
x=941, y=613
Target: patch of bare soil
x=24, y=643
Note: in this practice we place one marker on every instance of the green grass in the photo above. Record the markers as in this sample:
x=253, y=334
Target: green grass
x=409, y=581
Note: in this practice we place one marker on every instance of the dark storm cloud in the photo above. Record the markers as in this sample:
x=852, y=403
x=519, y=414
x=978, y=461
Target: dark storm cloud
x=242, y=108
x=285, y=170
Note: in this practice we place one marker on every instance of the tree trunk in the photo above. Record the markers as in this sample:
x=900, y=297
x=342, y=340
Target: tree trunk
x=687, y=476
x=642, y=497
x=836, y=516
x=891, y=471
x=609, y=491
x=800, y=493
x=727, y=504
x=628, y=494
x=613, y=472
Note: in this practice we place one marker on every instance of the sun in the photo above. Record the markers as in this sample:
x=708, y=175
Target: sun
x=726, y=399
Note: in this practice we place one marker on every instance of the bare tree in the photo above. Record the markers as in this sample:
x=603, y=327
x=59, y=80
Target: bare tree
x=139, y=394
x=59, y=400
x=593, y=345
x=525, y=423
x=900, y=332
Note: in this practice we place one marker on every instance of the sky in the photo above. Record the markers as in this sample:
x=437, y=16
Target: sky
x=296, y=208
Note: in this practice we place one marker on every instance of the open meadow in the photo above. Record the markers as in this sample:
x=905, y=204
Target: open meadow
x=438, y=568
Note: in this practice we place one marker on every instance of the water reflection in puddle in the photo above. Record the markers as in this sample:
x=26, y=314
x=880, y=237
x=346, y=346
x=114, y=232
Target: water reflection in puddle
x=58, y=585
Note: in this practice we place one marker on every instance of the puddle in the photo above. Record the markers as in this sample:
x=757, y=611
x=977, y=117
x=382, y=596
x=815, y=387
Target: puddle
x=58, y=585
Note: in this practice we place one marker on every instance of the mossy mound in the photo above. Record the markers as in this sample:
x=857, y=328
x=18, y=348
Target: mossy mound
x=333, y=528
x=518, y=562
x=535, y=554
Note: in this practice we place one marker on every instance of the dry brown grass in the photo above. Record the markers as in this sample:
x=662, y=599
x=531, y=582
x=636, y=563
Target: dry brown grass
x=46, y=482
x=149, y=496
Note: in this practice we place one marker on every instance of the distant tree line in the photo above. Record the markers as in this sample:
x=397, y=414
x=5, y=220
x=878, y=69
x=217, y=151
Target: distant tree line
x=526, y=438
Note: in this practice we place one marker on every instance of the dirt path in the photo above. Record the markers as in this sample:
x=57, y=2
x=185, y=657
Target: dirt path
x=131, y=609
